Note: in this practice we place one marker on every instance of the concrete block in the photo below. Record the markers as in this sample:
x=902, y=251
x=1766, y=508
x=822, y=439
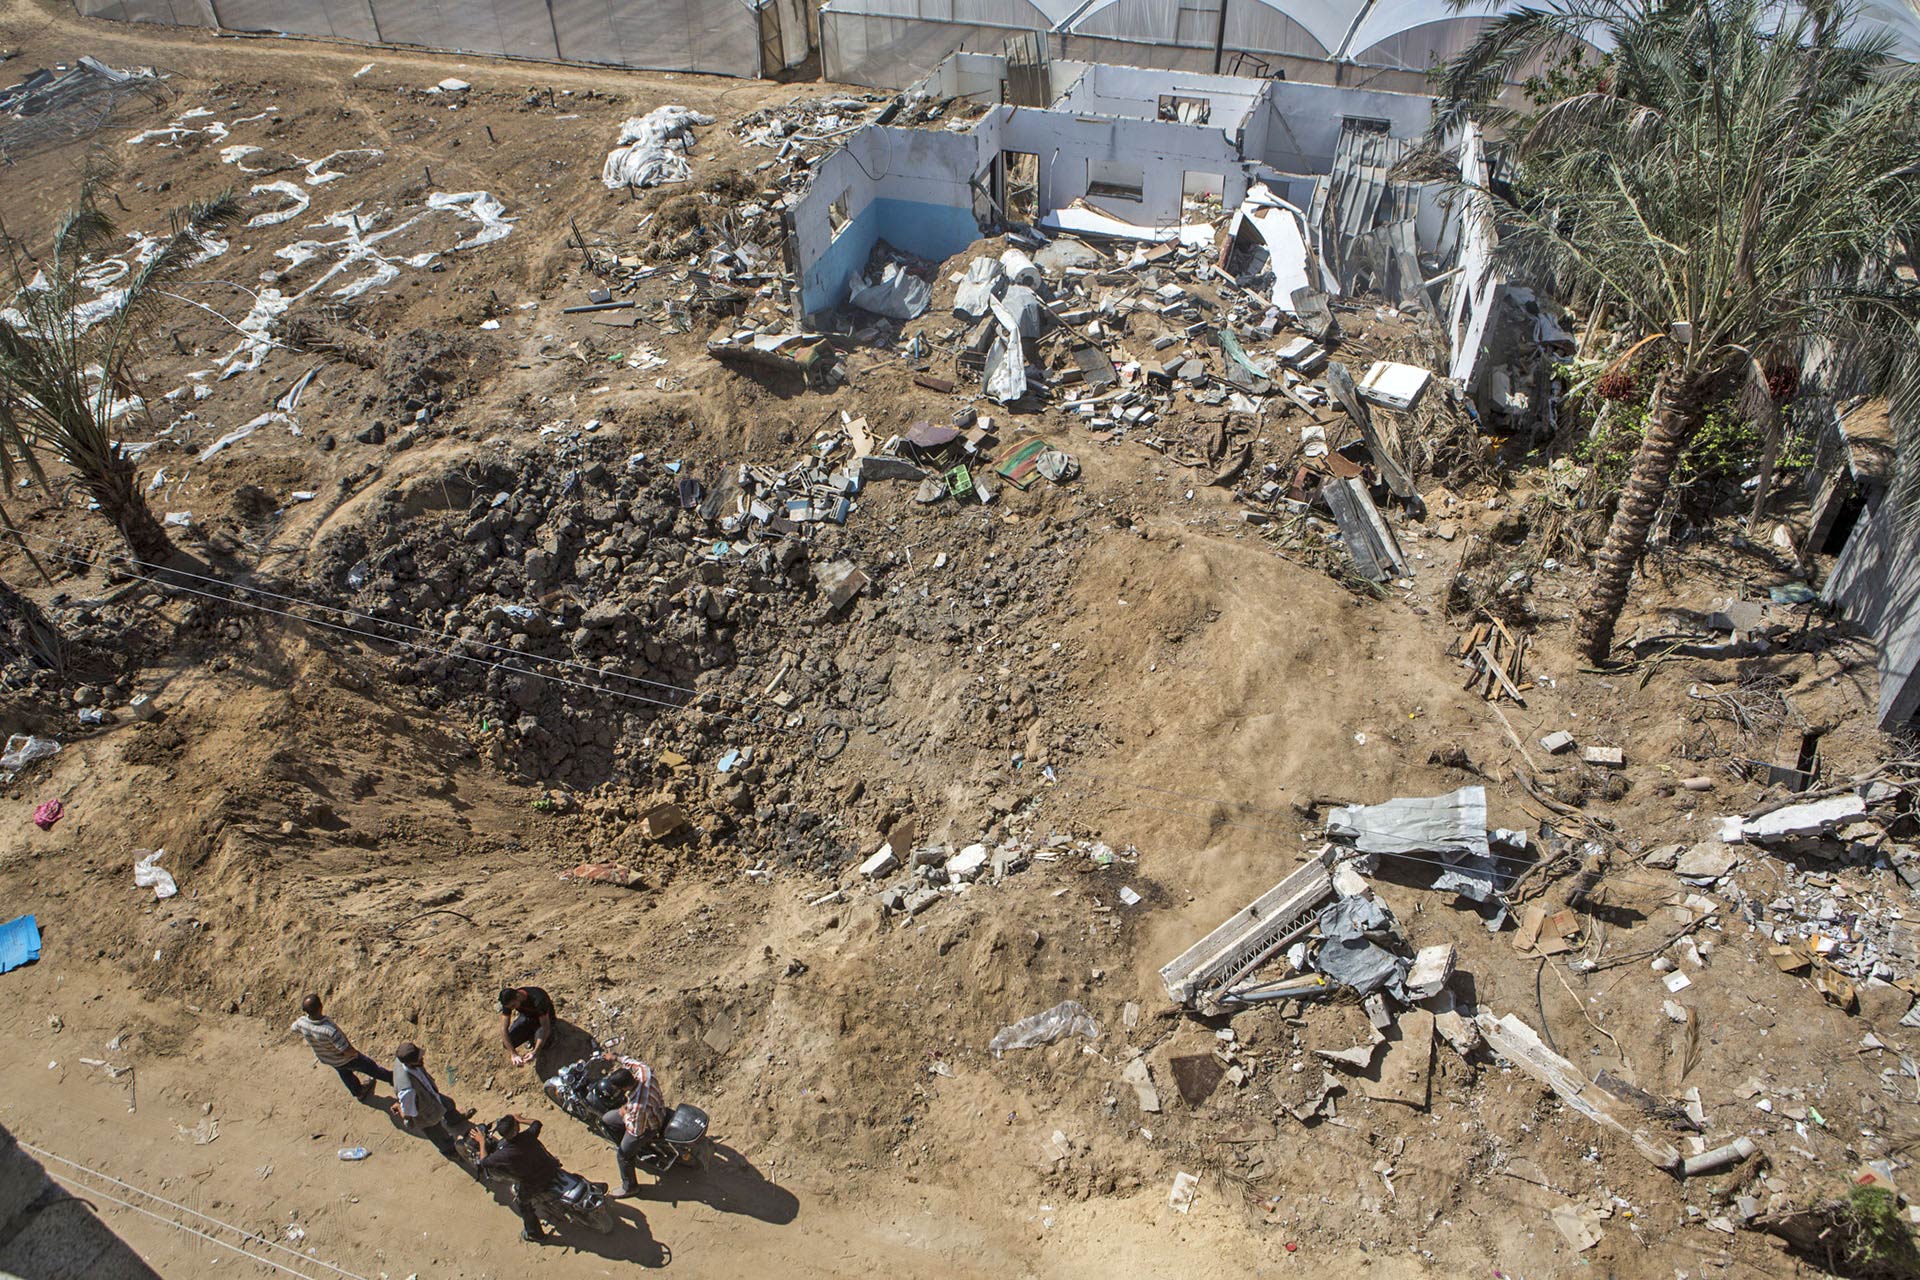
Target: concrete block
x=968, y=863
x=880, y=864
x=1611, y=757
x=1558, y=741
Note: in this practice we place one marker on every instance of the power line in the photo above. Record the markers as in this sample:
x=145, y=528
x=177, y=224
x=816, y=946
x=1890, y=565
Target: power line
x=58, y=554
x=249, y=1236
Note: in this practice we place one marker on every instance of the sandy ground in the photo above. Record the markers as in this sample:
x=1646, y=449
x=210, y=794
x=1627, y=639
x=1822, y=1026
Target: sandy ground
x=336, y=828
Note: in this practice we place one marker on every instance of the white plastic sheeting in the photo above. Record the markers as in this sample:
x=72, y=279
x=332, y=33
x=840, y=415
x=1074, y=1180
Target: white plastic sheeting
x=721, y=37
x=892, y=43
x=652, y=149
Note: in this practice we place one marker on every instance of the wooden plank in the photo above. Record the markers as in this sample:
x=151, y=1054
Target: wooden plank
x=1519, y=1044
x=1500, y=676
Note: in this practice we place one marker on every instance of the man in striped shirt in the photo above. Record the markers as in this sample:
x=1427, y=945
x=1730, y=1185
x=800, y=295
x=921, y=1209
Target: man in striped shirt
x=635, y=1123
x=331, y=1046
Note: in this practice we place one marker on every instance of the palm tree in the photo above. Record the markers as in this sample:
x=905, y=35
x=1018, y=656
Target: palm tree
x=1738, y=182
x=67, y=359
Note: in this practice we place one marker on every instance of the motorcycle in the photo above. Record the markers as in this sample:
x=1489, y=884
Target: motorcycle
x=571, y=1198
x=580, y=1090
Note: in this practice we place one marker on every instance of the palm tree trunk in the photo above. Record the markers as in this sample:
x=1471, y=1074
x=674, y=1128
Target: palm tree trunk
x=114, y=488
x=1670, y=424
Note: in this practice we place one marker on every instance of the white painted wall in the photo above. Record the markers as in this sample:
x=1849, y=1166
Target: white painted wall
x=1135, y=92
x=1164, y=153
x=1305, y=119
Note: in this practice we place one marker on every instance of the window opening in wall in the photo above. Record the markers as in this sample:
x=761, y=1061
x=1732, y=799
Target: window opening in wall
x=1181, y=110
x=1367, y=123
x=1116, y=180
x=837, y=219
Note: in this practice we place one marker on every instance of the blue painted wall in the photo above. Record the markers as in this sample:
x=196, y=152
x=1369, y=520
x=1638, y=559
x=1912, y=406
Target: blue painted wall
x=932, y=231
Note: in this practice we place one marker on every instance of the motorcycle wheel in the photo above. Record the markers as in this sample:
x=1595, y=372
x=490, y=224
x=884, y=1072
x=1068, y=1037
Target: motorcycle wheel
x=601, y=1219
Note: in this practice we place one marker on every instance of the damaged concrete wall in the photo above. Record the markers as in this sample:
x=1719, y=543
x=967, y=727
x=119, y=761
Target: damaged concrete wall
x=1135, y=94
x=1476, y=291
x=909, y=187
x=1876, y=584
x=1303, y=129
x=1076, y=151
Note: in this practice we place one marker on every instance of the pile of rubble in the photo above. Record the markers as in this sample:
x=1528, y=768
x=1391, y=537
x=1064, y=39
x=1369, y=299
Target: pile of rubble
x=662, y=584
x=923, y=874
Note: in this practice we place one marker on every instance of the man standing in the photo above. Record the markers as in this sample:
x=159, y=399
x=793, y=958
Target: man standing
x=526, y=1015
x=419, y=1104
x=519, y=1155
x=636, y=1121
x=331, y=1046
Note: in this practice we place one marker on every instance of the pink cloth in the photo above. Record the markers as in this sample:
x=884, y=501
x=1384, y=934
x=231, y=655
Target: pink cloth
x=47, y=814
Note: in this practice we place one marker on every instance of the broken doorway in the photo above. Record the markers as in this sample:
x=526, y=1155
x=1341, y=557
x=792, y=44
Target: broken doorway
x=1200, y=194
x=1020, y=186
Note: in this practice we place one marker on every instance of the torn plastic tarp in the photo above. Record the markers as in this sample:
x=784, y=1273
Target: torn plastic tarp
x=1354, y=930
x=1067, y=1018
x=1006, y=375
x=24, y=748
x=898, y=294
x=652, y=147
x=976, y=291
x=1020, y=311
x=1453, y=826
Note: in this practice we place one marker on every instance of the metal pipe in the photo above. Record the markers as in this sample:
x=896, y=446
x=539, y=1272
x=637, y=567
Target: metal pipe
x=1719, y=1158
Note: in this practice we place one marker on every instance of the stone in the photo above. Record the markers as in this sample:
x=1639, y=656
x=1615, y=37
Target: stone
x=1666, y=857
x=920, y=900
x=1707, y=861
x=1811, y=819
x=1432, y=966
x=880, y=466
x=1137, y=1075
x=881, y=863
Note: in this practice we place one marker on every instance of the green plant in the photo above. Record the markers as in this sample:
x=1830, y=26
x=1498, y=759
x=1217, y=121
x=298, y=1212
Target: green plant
x=67, y=369
x=1738, y=185
x=1876, y=1237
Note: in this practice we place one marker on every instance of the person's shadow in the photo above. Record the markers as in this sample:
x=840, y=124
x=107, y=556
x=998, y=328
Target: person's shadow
x=727, y=1181
x=569, y=1044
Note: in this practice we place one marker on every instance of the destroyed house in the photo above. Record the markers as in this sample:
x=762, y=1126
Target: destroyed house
x=1119, y=151
x=1875, y=579
x=1293, y=182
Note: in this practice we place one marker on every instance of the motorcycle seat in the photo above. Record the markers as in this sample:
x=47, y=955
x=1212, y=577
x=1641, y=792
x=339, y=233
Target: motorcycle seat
x=686, y=1124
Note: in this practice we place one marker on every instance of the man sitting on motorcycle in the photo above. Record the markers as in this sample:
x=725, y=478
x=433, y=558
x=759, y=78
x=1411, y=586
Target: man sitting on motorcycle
x=516, y=1152
x=634, y=1123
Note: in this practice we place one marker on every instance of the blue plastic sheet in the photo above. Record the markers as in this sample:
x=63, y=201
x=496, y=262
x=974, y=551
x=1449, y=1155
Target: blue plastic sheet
x=19, y=943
